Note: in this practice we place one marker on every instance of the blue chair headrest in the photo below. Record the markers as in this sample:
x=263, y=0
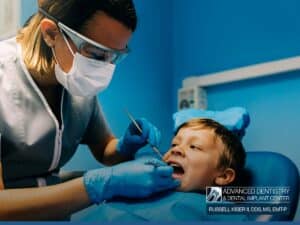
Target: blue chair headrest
x=235, y=119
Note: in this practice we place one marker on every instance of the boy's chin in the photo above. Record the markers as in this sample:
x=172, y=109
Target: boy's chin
x=181, y=188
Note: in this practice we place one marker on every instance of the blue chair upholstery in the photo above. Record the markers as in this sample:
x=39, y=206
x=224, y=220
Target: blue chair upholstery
x=270, y=169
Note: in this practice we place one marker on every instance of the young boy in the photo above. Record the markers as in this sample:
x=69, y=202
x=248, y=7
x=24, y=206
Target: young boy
x=205, y=153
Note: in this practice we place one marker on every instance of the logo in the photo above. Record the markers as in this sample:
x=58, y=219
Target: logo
x=213, y=194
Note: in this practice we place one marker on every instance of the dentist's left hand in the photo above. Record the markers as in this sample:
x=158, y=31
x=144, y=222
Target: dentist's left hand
x=133, y=139
x=134, y=179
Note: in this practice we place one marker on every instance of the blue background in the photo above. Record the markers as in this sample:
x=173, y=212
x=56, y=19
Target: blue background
x=179, y=38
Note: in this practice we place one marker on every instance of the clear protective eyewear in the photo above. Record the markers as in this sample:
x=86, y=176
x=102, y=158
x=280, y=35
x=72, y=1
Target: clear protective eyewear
x=88, y=47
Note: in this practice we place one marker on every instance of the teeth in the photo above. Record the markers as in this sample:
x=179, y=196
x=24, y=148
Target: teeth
x=174, y=165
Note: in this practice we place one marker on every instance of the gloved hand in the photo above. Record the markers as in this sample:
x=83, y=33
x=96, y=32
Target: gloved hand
x=133, y=139
x=133, y=179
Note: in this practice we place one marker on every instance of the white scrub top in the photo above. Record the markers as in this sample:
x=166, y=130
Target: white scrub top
x=33, y=145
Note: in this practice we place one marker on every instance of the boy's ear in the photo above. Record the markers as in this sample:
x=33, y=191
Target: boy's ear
x=225, y=177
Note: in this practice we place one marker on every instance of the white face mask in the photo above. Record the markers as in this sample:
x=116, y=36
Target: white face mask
x=87, y=76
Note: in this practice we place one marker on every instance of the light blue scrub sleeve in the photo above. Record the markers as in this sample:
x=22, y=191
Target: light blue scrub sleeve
x=97, y=129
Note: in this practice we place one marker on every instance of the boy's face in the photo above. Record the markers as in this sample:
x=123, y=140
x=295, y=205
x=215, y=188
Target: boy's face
x=194, y=155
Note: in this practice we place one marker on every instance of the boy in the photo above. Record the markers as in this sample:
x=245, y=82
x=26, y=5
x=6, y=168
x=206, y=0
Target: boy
x=205, y=153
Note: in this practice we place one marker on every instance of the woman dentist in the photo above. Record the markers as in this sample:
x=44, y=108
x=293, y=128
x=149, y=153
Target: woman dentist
x=49, y=77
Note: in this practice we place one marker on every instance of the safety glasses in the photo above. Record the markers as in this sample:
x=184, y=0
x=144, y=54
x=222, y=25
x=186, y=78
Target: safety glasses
x=92, y=49
x=88, y=47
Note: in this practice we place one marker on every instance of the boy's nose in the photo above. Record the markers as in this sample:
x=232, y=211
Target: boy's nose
x=178, y=151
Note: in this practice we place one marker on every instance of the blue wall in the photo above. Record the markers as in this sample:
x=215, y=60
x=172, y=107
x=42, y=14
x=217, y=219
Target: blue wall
x=29, y=7
x=211, y=36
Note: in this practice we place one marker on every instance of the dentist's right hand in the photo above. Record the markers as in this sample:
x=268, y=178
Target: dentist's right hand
x=134, y=179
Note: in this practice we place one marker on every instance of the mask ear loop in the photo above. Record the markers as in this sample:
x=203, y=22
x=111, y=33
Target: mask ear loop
x=54, y=55
x=67, y=42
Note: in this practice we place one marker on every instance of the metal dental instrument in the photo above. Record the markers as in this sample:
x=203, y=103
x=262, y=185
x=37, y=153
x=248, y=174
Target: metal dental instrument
x=154, y=148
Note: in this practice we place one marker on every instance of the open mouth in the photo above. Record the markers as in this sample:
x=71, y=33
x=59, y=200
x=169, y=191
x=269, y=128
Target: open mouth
x=178, y=170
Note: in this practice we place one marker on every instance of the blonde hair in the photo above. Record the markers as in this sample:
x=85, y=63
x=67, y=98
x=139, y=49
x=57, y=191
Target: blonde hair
x=36, y=53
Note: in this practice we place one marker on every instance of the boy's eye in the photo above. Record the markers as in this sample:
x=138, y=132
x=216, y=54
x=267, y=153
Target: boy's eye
x=174, y=145
x=195, y=147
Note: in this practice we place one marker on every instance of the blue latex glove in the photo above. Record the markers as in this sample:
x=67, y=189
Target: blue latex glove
x=134, y=179
x=133, y=139
x=235, y=119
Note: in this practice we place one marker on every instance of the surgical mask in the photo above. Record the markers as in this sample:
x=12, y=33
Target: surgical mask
x=86, y=77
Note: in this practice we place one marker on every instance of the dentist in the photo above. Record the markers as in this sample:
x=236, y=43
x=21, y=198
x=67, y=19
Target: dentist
x=50, y=74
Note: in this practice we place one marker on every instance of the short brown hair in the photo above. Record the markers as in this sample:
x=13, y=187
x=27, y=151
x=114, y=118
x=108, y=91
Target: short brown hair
x=233, y=155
